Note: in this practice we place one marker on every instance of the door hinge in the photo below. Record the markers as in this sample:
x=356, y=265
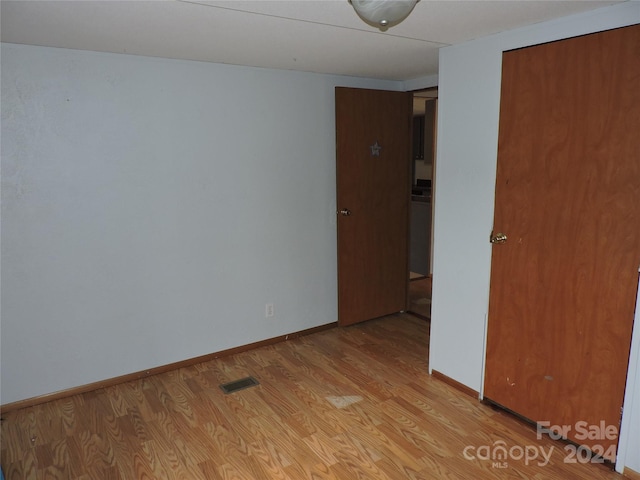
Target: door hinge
x=620, y=421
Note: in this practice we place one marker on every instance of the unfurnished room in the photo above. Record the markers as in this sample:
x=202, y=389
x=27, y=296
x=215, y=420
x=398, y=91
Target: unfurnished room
x=320, y=239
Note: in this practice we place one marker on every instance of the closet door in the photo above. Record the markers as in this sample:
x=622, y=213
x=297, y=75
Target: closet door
x=564, y=283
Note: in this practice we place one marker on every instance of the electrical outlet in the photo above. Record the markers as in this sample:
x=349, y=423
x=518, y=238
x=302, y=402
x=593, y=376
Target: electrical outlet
x=268, y=310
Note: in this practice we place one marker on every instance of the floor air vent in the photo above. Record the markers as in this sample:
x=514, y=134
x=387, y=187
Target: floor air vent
x=239, y=385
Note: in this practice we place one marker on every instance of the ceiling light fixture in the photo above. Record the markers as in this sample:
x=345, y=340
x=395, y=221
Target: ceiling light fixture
x=383, y=13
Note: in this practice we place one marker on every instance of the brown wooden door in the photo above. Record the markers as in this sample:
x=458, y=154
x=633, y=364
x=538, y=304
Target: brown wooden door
x=563, y=286
x=373, y=140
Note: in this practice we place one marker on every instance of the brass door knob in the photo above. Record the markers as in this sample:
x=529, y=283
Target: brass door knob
x=345, y=211
x=498, y=238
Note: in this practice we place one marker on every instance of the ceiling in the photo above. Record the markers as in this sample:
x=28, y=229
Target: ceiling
x=322, y=36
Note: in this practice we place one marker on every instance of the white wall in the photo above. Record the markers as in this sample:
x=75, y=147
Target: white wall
x=629, y=447
x=152, y=207
x=469, y=90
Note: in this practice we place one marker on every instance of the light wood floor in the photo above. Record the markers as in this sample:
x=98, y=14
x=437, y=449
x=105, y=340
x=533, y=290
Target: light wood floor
x=404, y=424
x=420, y=297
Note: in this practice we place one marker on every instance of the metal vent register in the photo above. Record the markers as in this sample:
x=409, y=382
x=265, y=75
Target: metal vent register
x=239, y=384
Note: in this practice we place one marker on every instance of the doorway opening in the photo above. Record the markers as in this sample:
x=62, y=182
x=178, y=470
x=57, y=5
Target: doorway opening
x=423, y=153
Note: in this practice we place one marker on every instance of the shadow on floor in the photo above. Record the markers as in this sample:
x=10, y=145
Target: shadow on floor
x=420, y=297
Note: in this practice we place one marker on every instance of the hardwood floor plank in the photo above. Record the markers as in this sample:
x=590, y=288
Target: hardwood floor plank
x=340, y=404
x=323, y=447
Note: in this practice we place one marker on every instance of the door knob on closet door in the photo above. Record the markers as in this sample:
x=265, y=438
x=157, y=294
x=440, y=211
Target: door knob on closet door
x=345, y=211
x=498, y=238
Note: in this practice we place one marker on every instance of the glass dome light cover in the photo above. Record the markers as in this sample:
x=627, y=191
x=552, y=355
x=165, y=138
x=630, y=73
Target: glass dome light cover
x=383, y=13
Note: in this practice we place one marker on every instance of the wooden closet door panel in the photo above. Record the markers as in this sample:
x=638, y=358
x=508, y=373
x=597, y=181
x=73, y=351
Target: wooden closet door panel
x=563, y=286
